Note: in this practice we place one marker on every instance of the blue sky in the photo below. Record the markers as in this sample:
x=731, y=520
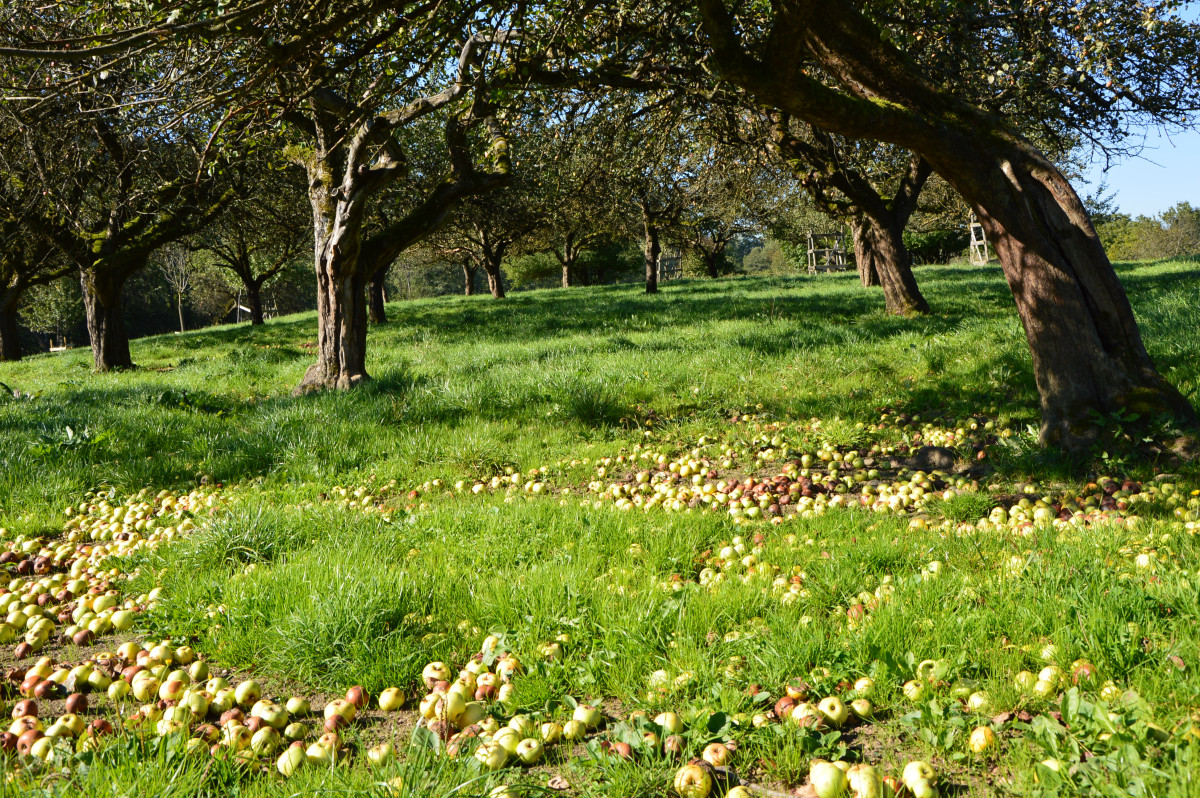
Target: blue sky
x=1167, y=172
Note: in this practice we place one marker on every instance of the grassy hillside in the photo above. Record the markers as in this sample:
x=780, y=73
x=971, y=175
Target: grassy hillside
x=333, y=545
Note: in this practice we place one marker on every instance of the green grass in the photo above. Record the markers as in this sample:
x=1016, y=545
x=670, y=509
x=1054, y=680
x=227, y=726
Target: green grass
x=319, y=594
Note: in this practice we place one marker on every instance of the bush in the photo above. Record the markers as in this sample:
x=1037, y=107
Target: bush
x=936, y=246
x=1175, y=233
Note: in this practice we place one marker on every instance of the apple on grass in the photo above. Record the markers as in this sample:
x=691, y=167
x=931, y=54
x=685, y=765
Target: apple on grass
x=716, y=754
x=529, y=751
x=982, y=739
x=391, y=699
x=381, y=754
x=589, y=716
x=693, y=780
x=828, y=780
x=574, y=731
x=669, y=722
x=291, y=760
x=551, y=732
x=834, y=710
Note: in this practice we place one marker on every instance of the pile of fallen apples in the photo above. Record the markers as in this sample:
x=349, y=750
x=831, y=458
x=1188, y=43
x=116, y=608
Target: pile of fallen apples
x=63, y=590
x=779, y=482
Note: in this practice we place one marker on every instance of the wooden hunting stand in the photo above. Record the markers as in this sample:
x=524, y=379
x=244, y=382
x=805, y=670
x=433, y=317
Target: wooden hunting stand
x=670, y=267
x=979, y=244
x=827, y=252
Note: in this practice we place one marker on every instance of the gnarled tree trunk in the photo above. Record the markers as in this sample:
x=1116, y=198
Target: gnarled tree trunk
x=567, y=258
x=254, y=297
x=105, y=319
x=711, y=264
x=341, y=297
x=469, y=278
x=495, y=279
x=864, y=253
x=879, y=248
x=1088, y=354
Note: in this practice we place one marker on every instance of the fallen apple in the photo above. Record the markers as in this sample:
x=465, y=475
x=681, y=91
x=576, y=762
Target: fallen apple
x=381, y=754
x=391, y=699
x=693, y=780
x=716, y=754
x=291, y=760
x=529, y=751
x=588, y=715
x=828, y=780
x=834, y=711
x=982, y=739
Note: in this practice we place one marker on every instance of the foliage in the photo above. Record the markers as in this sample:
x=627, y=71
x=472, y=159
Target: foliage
x=54, y=309
x=936, y=246
x=1174, y=233
x=771, y=257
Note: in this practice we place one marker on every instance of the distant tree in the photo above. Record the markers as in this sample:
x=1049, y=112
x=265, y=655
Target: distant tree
x=576, y=196
x=175, y=264
x=113, y=187
x=873, y=186
x=769, y=257
x=654, y=176
x=27, y=259
x=262, y=230
x=54, y=309
x=1180, y=232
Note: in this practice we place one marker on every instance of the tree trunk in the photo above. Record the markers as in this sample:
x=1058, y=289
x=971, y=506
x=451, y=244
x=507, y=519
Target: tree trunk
x=254, y=297
x=469, y=278
x=341, y=295
x=710, y=265
x=652, y=252
x=179, y=305
x=105, y=319
x=1088, y=355
x=864, y=253
x=377, y=312
x=567, y=258
x=10, y=333
x=494, y=277
x=879, y=250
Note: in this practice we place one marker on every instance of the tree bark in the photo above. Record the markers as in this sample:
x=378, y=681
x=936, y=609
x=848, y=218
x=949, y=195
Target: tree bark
x=567, y=259
x=341, y=328
x=710, y=265
x=10, y=333
x=341, y=294
x=864, y=253
x=469, y=278
x=1088, y=354
x=105, y=319
x=377, y=311
x=494, y=277
x=254, y=297
x=653, y=250
x=879, y=244
x=179, y=306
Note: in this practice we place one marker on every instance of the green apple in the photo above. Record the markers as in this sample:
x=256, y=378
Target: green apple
x=290, y=761
x=529, y=751
x=693, y=781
